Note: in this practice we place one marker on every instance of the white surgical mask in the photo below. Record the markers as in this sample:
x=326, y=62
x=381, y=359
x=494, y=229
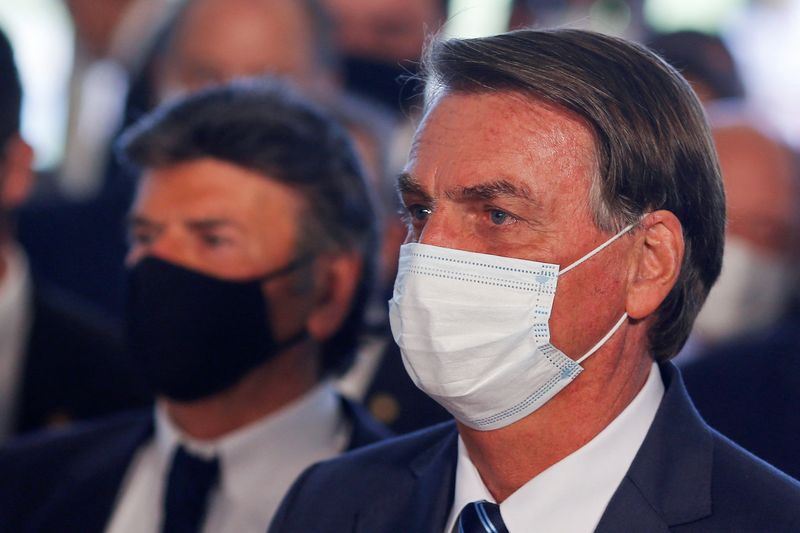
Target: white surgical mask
x=473, y=331
x=752, y=291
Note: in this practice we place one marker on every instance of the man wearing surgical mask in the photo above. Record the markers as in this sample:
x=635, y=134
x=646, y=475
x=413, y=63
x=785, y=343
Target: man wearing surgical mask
x=251, y=242
x=566, y=223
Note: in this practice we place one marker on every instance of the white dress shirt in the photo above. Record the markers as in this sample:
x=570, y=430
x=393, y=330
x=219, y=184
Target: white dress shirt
x=258, y=464
x=572, y=495
x=16, y=316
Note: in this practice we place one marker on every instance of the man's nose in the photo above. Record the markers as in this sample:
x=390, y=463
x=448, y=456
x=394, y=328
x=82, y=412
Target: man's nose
x=441, y=230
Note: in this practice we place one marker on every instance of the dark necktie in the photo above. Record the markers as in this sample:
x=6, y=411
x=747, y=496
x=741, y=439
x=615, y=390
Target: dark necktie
x=190, y=482
x=480, y=517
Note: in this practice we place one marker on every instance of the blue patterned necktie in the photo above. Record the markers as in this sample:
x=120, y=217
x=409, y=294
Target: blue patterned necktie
x=188, y=487
x=480, y=517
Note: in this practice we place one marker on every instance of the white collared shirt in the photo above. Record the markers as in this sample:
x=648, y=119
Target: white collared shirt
x=258, y=464
x=16, y=317
x=571, y=495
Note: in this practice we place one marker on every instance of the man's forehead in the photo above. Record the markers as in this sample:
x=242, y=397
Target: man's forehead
x=494, y=136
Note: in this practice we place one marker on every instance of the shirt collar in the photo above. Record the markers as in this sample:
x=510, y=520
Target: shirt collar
x=572, y=494
x=312, y=427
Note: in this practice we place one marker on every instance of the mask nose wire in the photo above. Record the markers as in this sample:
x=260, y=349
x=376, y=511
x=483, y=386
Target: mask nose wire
x=597, y=250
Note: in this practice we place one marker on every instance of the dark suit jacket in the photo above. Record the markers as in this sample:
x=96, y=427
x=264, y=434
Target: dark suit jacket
x=73, y=368
x=68, y=481
x=749, y=390
x=685, y=478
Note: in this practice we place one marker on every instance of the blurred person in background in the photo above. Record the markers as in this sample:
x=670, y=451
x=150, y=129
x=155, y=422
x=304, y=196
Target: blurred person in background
x=250, y=264
x=758, y=280
x=381, y=43
x=57, y=363
x=744, y=367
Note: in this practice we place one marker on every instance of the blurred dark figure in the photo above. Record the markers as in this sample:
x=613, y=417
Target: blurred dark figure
x=742, y=364
x=55, y=364
x=250, y=265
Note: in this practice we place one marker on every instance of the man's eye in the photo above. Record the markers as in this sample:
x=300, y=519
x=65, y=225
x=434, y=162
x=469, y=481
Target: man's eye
x=419, y=212
x=140, y=238
x=214, y=240
x=499, y=217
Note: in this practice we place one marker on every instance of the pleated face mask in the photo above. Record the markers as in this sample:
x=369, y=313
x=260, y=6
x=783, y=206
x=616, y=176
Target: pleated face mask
x=474, y=335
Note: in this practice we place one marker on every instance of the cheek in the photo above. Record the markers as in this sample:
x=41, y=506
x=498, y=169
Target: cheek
x=588, y=302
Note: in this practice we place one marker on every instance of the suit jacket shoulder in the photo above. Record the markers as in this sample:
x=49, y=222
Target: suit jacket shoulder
x=365, y=429
x=404, y=484
x=687, y=477
x=67, y=480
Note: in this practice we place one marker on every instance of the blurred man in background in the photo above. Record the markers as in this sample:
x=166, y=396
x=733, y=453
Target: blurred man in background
x=56, y=364
x=250, y=265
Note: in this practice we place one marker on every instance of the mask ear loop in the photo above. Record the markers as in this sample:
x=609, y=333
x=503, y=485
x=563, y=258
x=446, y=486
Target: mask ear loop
x=597, y=250
x=602, y=341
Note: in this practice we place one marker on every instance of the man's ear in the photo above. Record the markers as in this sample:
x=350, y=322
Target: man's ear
x=16, y=176
x=337, y=277
x=655, y=263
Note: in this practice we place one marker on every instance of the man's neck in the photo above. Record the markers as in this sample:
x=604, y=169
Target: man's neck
x=265, y=390
x=509, y=457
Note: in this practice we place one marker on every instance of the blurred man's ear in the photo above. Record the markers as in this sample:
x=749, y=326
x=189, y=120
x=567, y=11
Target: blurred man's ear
x=336, y=279
x=16, y=175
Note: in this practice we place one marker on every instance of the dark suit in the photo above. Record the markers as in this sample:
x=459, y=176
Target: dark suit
x=69, y=481
x=685, y=478
x=749, y=390
x=73, y=368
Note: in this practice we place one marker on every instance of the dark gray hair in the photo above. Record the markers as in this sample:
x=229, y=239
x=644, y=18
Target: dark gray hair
x=265, y=127
x=653, y=145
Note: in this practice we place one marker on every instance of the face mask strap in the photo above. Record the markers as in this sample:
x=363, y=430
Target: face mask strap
x=602, y=341
x=597, y=250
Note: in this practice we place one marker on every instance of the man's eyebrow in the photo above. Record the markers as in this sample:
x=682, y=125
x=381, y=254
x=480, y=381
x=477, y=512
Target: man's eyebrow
x=133, y=221
x=500, y=188
x=408, y=184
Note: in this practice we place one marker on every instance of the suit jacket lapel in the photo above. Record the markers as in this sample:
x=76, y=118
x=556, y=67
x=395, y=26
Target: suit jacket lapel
x=669, y=481
x=87, y=497
x=426, y=493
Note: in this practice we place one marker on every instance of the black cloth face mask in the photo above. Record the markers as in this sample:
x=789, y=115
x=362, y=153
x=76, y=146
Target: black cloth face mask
x=194, y=335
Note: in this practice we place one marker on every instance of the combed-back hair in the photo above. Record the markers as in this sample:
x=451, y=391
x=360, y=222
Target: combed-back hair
x=653, y=145
x=266, y=127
